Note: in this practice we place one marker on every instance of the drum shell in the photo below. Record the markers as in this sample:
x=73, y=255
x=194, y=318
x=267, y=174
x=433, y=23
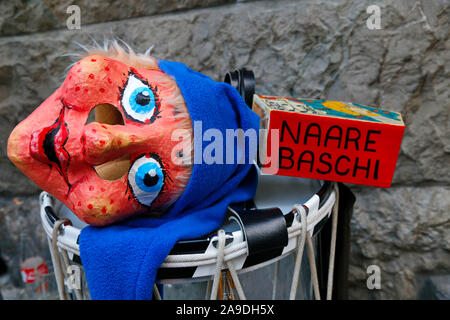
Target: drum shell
x=69, y=236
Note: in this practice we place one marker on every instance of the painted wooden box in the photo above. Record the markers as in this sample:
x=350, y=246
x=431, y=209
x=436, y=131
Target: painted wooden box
x=328, y=140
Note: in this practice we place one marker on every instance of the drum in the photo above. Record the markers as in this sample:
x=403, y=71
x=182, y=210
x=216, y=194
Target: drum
x=285, y=216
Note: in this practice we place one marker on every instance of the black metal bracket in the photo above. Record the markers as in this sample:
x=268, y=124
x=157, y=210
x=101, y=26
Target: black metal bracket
x=243, y=81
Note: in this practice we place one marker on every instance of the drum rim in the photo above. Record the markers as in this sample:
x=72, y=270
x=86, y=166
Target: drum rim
x=233, y=250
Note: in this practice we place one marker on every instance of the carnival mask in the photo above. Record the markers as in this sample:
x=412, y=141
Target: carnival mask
x=126, y=161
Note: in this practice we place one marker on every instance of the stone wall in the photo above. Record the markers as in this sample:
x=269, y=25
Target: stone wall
x=315, y=49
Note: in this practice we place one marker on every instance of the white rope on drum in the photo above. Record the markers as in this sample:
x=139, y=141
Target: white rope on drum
x=57, y=259
x=306, y=237
x=67, y=264
x=219, y=265
x=275, y=279
x=313, y=218
x=219, y=262
x=184, y=260
x=312, y=265
x=333, y=242
x=156, y=293
x=300, y=245
x=236, y=281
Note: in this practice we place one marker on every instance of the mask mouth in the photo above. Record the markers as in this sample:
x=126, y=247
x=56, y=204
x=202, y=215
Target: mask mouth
x=115, y=169
x=47, y=145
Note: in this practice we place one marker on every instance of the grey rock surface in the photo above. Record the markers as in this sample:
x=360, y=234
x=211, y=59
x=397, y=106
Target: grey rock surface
x=314, y=49
x=436, y=288
x=404, y=231
x=19, y=16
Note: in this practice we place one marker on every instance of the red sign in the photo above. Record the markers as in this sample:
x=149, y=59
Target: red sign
x=29, y=274
x=344, y=149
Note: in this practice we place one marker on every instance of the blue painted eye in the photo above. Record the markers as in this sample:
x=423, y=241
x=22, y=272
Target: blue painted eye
x=138, y=100
x=146, y=179
x=142, y=100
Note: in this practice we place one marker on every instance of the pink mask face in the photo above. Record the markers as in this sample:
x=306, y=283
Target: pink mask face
x=125, y=162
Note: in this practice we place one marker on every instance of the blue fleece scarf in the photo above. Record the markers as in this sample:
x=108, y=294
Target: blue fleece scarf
x=121, y=260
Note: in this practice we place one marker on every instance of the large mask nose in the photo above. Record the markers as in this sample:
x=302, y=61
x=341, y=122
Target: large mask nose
x=102, y=143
